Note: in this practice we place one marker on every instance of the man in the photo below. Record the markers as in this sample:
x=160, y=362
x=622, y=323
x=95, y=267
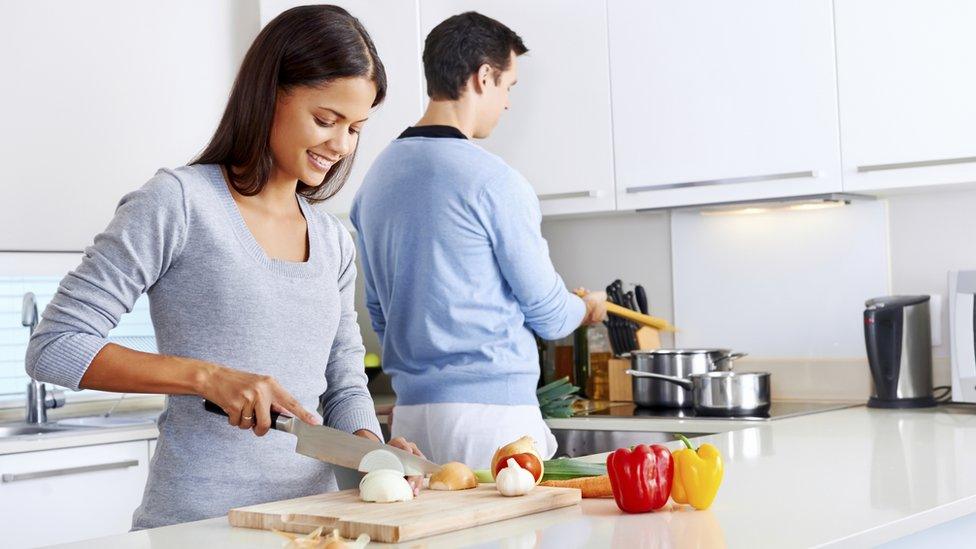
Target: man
x=456, y=271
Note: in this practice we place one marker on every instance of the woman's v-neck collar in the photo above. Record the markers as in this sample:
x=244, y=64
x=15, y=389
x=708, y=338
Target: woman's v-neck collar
x=295, y=269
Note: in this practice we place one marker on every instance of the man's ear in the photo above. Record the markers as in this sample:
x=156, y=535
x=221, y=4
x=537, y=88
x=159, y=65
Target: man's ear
x=485, y=73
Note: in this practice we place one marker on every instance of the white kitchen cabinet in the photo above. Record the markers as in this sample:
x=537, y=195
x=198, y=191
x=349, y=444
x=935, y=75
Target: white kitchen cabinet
x=57, y=496
x=717, y=101
x=557, y=133
x=907, y=92
x=96, y=98
x=152, y=448
x=392, y=24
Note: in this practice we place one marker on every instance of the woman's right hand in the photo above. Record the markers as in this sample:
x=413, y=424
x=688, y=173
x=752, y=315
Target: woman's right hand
x=249, y=398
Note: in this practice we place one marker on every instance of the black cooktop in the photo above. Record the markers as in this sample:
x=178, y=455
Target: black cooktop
x=778, y=410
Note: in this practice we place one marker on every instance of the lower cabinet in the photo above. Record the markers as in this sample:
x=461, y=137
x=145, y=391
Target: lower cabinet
x=71, y=494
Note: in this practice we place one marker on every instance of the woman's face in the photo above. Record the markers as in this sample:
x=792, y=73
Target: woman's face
x=315, y=127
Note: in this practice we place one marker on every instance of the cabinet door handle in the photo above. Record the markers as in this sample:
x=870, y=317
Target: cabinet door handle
x=16, y=477
x=578, y=194
x=726, y=181
x=916, y=164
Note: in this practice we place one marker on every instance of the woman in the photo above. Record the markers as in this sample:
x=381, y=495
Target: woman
x=251, y=290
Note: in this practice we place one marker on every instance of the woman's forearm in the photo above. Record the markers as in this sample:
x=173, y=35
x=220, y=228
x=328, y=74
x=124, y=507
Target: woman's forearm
x=246, y=398
x=118, y=369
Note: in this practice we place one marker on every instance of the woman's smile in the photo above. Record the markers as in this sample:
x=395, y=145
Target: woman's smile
x=320, y=163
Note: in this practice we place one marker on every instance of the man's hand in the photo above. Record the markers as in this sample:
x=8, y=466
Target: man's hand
x=596, y=306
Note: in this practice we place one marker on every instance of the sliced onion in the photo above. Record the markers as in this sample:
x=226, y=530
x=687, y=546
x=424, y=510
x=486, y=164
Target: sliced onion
x=380, y=460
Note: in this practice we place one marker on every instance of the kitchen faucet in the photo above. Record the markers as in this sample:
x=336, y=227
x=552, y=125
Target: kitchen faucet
x=38, y=401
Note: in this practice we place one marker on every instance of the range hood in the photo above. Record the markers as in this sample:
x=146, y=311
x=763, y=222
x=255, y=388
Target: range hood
x=746, y=207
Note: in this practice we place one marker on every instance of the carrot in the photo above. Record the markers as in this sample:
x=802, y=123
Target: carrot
x=592, y=487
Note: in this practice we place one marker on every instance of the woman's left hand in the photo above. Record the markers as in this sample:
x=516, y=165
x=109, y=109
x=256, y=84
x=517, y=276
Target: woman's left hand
x=415, y=482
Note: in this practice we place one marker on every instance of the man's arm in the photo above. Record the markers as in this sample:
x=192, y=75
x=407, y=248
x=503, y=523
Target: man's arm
x=510, y=212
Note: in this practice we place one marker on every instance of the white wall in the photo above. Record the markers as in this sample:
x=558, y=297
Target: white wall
x=781, y=283
x=97, y=96
x=636, y=248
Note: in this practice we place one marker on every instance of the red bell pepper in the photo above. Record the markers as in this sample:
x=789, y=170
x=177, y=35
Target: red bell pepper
x=641, y=477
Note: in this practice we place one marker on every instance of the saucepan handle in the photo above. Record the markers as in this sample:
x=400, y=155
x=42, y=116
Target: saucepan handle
x=729, y=357
x=684, y=383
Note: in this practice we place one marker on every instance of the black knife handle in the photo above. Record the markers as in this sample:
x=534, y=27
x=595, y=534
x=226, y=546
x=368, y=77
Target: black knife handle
x=214, y=409
x=641, y=296
x=613, y=324
x=629, y=301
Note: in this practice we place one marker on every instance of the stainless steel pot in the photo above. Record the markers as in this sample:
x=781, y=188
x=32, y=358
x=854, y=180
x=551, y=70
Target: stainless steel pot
x=722, y=393
x=653, y=393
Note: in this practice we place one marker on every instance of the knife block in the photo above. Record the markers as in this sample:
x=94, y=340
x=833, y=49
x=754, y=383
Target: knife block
x=621, y=385
x=621, y=389
x=648, y=338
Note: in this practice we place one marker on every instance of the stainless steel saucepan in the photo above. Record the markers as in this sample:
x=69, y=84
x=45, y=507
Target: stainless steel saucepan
x=723, y=393
x=651, y=393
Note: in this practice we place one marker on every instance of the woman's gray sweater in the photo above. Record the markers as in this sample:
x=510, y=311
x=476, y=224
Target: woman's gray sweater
x=215, y=295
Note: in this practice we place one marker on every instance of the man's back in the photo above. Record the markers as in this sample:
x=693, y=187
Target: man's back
x=455, y=270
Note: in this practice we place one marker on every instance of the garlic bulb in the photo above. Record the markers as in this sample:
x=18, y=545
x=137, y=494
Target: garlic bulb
x=385, y=486
x=513, y=480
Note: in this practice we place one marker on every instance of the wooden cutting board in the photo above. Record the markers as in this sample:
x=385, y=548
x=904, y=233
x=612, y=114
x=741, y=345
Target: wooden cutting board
x=432, y=512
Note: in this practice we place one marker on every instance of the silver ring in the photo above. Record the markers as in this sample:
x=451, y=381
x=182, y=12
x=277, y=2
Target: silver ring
x=249, y=418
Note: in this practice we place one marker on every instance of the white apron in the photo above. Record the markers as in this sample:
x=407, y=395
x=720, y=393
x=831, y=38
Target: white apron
x=470, y=433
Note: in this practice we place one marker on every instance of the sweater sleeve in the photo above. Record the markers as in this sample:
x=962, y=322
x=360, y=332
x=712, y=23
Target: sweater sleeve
x=373, y=307
x=346, y=403
x=139, y=245
x=510, y=213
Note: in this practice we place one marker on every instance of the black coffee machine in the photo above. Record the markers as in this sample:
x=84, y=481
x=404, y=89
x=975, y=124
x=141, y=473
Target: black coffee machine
x=898, y=335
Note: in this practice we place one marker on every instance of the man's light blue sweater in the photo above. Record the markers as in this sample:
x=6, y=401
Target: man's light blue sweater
x=457, y=273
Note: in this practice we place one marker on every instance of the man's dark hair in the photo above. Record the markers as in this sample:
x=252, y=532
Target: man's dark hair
x=459, y=45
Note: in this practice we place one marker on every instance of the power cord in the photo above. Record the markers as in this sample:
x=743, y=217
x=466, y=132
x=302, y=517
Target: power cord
x=116, y=405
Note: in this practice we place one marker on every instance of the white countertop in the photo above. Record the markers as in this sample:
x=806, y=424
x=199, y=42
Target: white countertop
x=850, y=477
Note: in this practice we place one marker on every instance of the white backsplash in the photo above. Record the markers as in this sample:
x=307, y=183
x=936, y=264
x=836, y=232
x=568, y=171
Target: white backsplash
x=779, y=284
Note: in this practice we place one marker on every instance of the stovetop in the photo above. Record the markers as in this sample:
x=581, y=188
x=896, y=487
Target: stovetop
x=778, y=410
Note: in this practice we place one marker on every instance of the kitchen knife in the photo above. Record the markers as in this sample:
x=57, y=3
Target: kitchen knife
x=332, y=445
x=631, y=304
x=613, y=327
x=641, y=296
x=623, y=326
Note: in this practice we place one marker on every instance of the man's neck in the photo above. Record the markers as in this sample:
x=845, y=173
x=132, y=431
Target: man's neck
x=459, y=114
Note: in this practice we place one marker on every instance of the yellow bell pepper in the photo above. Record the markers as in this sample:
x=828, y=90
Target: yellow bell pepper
x=697, y=475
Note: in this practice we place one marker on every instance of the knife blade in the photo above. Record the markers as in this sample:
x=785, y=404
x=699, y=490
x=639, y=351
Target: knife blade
x=332, y=445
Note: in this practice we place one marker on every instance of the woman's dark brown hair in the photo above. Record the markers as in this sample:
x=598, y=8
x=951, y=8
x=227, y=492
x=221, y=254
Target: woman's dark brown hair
x=304, y=46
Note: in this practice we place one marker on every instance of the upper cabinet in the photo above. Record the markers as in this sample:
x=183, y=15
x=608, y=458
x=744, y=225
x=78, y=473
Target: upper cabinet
x=557, y=133
x=717, y=101
x=392, y=24
x=907, y=92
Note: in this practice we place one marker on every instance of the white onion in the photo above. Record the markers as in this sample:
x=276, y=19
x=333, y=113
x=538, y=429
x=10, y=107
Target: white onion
x=385, y=486
x=379, y=460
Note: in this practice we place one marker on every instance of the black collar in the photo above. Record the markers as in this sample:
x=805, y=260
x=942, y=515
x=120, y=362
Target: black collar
x=432, y=131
